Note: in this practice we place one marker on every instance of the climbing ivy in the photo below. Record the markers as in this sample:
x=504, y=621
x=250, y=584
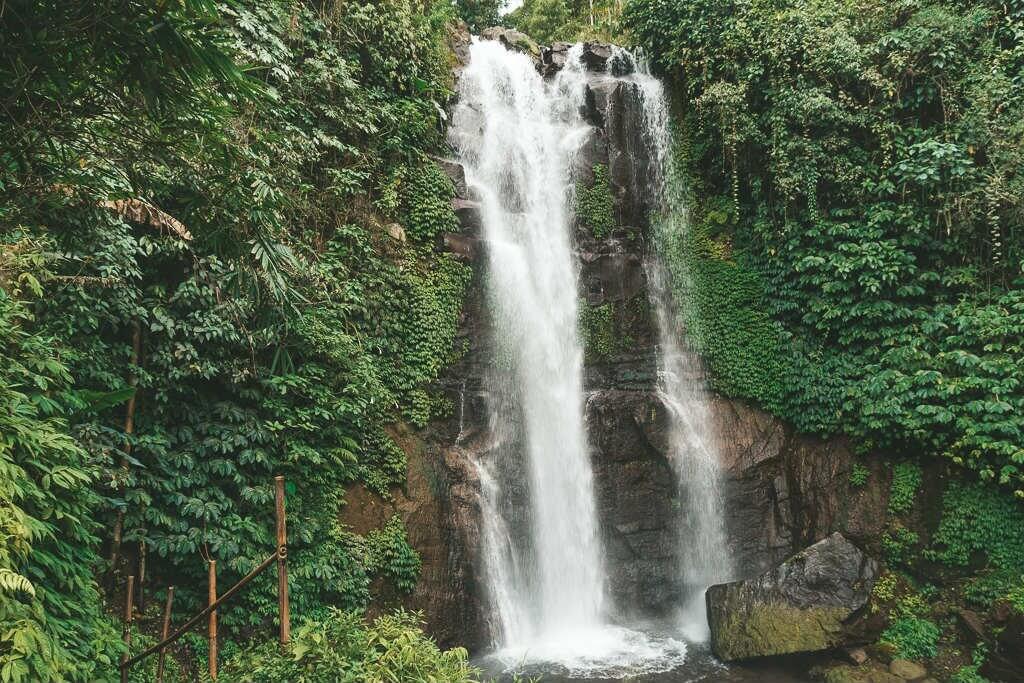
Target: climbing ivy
x=426, y=202
x=976, y=519
x=595, y=205
x=906, y=480
x=604, y=330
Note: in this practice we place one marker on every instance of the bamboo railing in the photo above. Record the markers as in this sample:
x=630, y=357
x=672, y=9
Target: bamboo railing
x=278, y=557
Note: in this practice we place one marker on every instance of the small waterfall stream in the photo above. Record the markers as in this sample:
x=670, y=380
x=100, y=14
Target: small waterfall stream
x=681, y=386
x=518, y=137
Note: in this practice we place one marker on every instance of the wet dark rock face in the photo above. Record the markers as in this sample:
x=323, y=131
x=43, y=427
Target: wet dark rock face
x=783, y=491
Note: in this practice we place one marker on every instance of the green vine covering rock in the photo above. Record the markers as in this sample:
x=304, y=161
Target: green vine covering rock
x=595, y=205
x=858, y=241
x=603, y=330
x=906, y=480
x=976, y=519
x=426, y=200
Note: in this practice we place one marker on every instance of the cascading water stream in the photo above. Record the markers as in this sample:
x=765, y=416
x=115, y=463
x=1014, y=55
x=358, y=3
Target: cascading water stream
x=518, y=137
x=693, y=453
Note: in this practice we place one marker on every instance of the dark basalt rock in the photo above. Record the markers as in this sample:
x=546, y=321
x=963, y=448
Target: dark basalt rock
x=803, y=605
x=635, y=500
x=462, y=247
x=596, y=55
x=468, y=213
x=553, y=58
x=1006, y=662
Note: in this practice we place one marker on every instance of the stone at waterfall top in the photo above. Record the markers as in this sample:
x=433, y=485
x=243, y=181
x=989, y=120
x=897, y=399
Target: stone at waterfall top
x=549, y=60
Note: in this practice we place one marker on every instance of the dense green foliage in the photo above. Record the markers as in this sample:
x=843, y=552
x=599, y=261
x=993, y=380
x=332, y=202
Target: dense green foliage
x=342, y=648
x=280, y=325
x=906, y=480
x=976, y=521
x=595, y=205
x=479, y=14
x=548, y=21
x=51, y=625
x=858, y=235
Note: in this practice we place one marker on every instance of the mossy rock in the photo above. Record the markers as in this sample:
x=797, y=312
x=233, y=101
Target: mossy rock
x=800, y=606
x=766, y=629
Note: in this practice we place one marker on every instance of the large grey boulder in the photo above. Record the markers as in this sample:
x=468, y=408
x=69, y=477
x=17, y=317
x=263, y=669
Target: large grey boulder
x=803, y=605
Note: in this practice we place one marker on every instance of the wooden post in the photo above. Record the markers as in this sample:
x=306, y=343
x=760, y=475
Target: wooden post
x=282, y=567
x=213, y=620
x=126, y=633
x=142, y=577
x=164, y=632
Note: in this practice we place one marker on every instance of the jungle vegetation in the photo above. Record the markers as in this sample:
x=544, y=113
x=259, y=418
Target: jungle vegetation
x=199, y=290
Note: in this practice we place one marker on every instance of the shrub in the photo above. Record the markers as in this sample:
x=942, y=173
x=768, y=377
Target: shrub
x=343, y=648
x=898, y=544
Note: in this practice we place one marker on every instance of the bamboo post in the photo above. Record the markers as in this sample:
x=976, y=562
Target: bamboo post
x=213, y=620
x=282, y=567
x=205, y=612
x=129, y=429
x=164, y=632
x=126, y=633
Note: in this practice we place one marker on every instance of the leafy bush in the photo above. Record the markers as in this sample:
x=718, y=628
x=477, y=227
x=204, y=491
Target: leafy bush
x=52, y=627
x=986, y=589
x=343, y=648
x=969, y=672
x=912, y=637
x=567, y=20
x=899, y=544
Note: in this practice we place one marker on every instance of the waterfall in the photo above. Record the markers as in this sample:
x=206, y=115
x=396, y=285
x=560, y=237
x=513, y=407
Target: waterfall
x=681, y=386
x=518, y=137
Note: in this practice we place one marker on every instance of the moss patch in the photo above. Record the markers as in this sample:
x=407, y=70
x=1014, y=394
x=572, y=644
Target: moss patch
x=760, y=630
